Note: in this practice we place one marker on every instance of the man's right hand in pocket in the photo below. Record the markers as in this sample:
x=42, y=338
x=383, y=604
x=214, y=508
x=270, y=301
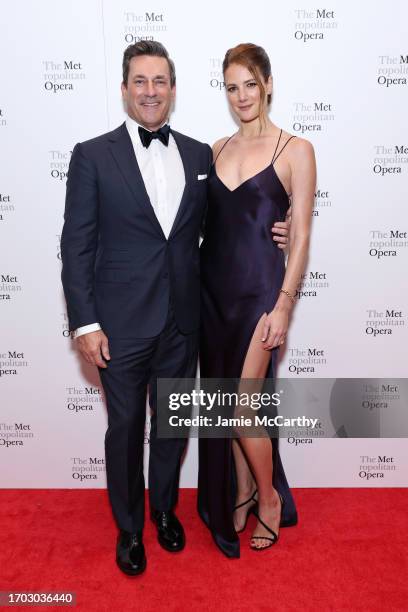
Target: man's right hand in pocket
x=94, y=348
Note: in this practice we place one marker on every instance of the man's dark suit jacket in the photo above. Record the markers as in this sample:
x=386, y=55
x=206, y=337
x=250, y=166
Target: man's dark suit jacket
x=118, y=267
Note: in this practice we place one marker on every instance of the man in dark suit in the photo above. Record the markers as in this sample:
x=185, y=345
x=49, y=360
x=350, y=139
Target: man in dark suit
x=130, y=252
x=135, y=202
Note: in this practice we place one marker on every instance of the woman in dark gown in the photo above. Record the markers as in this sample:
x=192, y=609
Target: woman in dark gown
x=247, y=295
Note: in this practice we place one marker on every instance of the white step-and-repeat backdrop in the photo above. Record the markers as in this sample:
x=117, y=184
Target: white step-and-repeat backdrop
x=340, y=79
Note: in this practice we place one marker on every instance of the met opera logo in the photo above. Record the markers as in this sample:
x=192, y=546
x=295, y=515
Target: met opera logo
x=6, y=205
x=59, y=163
x=392, y=70
x=387, y=243
x=305, y=361
x=215, y=74
x=81, y=400
x=369, y=408
x=9, y=287
x=65, y=326
x=61, y=77
x=305, y=435
x=143, y=26
x=313, y=24
x=311, y=284
x=15, y=434
x=371, y=468
x=322, y=202
x=311, y=117
x=11, y=363
x=390, y=160
x=87, y=468
x=384, y=322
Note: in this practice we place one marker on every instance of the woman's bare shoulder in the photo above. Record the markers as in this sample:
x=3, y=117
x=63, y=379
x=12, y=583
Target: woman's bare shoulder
x=301, y=157
x=298, y=146
x=218, y=144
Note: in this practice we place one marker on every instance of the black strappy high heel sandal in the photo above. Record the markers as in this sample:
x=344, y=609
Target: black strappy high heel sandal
x=274, y=537
x=251, y=509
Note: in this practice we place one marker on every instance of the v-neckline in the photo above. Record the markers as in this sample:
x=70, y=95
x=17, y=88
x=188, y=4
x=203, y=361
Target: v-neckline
x=250, y=178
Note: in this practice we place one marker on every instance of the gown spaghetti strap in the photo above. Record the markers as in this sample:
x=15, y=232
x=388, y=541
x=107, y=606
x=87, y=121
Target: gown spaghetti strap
x=242, y=271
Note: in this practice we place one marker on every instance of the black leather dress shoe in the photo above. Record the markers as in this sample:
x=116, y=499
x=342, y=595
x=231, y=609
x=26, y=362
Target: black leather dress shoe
x=130, y=553
x=170, y=532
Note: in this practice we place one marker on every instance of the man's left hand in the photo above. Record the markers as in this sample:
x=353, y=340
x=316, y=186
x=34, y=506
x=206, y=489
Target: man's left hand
x=280, y=230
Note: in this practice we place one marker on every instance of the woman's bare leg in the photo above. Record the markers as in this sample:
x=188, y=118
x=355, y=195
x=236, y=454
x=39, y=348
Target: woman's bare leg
x=258, y=451
x=246, y=485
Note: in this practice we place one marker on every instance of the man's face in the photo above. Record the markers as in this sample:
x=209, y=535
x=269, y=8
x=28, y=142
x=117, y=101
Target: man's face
x=148, y=93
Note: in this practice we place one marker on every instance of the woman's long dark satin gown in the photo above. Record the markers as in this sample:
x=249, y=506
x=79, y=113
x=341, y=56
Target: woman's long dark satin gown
x=242, y=270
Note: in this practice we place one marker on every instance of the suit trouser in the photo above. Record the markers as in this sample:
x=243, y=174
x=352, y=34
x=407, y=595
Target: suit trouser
x=135, y=366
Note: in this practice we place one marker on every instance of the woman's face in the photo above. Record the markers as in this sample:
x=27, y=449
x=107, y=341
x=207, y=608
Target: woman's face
x=243, y=92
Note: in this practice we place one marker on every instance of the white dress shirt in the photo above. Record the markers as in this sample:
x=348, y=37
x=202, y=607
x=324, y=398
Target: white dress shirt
x=163, y=175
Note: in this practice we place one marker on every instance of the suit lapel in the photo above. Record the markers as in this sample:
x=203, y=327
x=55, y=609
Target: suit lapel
x=124, y=155
x=185, y=151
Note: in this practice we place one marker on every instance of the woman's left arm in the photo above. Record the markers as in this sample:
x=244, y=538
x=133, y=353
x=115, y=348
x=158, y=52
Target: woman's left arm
x=303, y=185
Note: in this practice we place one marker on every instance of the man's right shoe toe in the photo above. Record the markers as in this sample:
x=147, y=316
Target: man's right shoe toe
x=130, y=553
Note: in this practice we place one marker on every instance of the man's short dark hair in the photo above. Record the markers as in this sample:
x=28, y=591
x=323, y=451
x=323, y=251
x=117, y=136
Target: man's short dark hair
x=147, y=47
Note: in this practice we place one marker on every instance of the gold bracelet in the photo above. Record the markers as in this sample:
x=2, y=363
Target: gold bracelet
x=292, y=297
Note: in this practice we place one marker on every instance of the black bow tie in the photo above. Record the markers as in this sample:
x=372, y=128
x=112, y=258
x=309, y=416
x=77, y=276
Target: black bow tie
x=162, y=134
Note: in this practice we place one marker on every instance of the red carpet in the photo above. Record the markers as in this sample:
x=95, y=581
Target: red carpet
x=349, y=551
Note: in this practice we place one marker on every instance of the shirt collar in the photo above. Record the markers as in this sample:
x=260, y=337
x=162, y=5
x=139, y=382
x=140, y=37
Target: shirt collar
x=133, y=127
